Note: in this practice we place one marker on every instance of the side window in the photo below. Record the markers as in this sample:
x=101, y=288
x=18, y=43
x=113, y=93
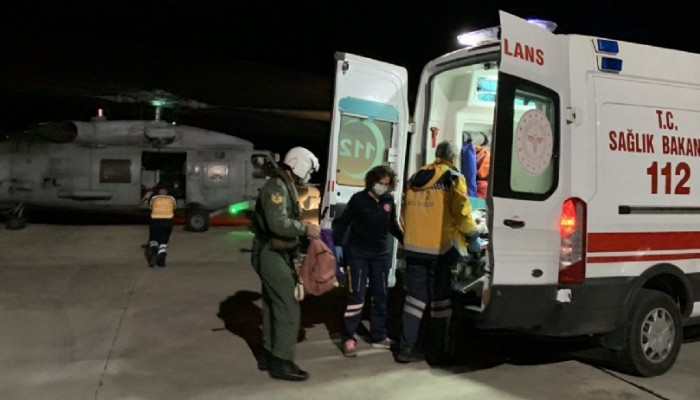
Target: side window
x=115, y=171
x=217, y=173
x=526, y=141
x=364, y=139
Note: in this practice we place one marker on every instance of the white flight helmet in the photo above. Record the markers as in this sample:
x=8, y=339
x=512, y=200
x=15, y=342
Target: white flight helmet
x=302, y=162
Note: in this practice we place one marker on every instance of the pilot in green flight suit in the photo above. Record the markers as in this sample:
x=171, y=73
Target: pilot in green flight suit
x=278, y=226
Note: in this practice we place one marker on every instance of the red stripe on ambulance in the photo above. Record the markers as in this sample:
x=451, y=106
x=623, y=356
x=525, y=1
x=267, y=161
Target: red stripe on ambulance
x=642, y=241
x=647, y=257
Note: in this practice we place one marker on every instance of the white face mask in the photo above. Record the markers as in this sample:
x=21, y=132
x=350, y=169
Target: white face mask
x=379, y=189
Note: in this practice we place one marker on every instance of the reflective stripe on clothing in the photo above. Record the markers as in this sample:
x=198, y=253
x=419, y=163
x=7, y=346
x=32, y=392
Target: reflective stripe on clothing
x=415, y=302
x=353, y=309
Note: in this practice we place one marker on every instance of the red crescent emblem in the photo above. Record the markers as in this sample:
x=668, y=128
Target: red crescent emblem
x=387, y=207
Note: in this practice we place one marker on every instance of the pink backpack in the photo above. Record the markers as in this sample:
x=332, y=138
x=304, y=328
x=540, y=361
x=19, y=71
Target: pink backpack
x=317, y=272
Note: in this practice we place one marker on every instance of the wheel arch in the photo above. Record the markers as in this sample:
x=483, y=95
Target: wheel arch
x=664, y=277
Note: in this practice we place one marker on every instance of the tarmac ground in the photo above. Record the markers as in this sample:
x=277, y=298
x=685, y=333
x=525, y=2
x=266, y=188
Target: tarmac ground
x=82, y=316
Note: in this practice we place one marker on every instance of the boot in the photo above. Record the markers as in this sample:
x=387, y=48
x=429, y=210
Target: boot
x=162, y=253
x=407, y=355
x=287, y=370
x=160, y=259
x=152, y=252
x=263, y=358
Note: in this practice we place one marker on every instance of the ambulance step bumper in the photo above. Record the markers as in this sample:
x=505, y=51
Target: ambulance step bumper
x=594, y=307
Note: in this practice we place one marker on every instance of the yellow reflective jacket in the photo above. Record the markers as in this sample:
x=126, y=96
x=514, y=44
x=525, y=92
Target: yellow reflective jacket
x=162, y=206
x=437, y=213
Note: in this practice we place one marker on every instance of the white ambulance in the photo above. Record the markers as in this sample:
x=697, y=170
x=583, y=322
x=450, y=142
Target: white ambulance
x=593, y=205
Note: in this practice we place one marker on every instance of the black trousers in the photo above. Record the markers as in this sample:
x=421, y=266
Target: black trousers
x=159, y=231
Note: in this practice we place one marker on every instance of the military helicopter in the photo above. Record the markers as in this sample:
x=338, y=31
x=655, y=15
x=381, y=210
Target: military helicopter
x=109, y=165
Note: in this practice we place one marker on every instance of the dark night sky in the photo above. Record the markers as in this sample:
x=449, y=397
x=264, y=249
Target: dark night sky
x=56, y=56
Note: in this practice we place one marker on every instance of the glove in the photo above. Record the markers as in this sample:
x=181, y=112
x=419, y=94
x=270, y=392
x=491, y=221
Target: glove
x=339, y=255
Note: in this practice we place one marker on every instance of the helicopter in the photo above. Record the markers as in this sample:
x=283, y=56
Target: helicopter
x=109, y=165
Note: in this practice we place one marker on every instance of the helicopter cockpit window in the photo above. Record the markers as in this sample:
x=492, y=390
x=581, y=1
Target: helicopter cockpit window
x=115, y=171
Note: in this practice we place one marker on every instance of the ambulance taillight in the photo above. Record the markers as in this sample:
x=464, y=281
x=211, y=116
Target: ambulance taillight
x=572, y=227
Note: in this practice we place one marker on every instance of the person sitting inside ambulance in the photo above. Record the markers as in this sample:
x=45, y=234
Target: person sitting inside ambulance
x=483, y=163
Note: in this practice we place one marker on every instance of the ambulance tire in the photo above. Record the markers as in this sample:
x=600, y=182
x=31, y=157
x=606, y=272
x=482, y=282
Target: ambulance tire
x=655, y=310
x=197, y=221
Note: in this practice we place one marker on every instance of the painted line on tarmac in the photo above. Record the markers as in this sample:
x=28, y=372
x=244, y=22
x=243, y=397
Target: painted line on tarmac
x=638, y=386
x=116, y=334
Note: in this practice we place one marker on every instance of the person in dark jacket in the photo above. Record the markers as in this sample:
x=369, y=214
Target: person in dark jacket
x=371, y=217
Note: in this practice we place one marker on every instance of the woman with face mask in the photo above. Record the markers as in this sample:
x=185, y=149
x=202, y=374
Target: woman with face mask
x=370, y=216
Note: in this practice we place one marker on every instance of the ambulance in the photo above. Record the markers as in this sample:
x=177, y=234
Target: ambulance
x=593, y=206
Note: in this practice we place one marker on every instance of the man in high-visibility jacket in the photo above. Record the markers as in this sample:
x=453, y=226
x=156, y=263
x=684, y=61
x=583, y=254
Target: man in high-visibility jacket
x=438, y=226
x=161, y=226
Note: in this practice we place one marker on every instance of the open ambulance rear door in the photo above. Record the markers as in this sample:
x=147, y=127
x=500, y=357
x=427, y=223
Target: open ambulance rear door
x=527, y=191
x=368, y=128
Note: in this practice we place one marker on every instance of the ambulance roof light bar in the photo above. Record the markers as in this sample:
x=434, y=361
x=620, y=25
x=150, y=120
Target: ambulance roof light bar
x=488, y=35
x=544, y=24
x=607, y=46
x=476, y=38
x=609, y=64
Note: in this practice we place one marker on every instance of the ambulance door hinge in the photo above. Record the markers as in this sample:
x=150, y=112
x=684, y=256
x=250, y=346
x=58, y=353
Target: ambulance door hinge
x=572, y=115
x=411, y=127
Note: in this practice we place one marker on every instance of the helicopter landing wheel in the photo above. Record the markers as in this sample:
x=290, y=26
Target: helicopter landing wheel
x=197, y=221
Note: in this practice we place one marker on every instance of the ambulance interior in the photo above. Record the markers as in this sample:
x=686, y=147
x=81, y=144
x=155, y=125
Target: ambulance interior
x=461, y=108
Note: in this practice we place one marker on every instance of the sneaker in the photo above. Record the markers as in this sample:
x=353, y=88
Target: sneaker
x=350, y=348
x=383, y=344
x=406, y=355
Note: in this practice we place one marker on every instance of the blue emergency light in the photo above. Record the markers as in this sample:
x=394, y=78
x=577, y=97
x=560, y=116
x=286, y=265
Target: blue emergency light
x=609, y=64
x=607, y=46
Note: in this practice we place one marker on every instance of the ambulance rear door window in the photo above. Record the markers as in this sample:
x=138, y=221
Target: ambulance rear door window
x=527, y=140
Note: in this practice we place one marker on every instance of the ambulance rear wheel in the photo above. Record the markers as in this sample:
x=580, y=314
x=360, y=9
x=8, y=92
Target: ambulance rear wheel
x=197, y=221
x=653, y=336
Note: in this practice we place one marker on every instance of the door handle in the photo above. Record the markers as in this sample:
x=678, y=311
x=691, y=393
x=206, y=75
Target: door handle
x=513, y=223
